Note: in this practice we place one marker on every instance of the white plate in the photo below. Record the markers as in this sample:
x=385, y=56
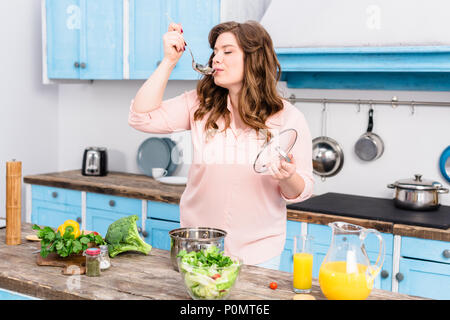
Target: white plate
x=181, y=181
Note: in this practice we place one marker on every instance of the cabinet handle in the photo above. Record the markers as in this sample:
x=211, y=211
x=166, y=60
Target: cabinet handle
x=76, y=65
x=384, y=274
x=55, y=194
x=83, y=65
x=145, y=233
x=446, y=253
x=139, y=229
x=79, y=220
x=158, y=62
x=112, y=203
x=399, y=276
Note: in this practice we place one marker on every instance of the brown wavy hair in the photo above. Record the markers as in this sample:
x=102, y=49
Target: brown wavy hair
x=258, y=98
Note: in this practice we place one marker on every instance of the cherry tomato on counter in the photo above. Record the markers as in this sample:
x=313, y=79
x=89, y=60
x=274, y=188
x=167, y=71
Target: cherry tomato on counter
x=273, y=285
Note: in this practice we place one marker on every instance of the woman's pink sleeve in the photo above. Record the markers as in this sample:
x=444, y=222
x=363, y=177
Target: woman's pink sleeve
x=172, y=116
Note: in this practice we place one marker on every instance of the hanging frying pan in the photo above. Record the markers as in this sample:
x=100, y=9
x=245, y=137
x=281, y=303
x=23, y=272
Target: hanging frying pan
x=369, y=146
x=328, y=157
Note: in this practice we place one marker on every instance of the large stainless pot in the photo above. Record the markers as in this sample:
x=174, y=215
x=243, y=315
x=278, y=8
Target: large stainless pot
x=417, y=194
x=194, y=239
x=327, y=154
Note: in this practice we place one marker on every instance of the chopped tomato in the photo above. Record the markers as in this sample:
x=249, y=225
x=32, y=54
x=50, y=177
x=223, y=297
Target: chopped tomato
x=273, y=285
x=215, y=276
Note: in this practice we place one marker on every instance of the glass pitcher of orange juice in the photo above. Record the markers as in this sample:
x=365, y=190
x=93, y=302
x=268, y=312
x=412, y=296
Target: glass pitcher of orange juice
x=346, y=272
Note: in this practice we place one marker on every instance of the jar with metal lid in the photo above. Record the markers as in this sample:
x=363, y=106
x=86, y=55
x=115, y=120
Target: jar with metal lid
x=105, y=262
x=92, y=262
x=417, y=193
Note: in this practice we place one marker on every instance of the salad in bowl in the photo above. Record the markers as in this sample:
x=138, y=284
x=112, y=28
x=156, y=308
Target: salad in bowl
x=208, y=274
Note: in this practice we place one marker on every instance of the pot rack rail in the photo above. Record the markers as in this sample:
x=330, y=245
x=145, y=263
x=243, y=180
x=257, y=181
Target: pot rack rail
x=394, y=102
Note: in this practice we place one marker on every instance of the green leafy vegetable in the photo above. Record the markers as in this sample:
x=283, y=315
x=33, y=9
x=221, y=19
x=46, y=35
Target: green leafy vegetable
x=123, y=236
x=64, y=245
x=208, y=273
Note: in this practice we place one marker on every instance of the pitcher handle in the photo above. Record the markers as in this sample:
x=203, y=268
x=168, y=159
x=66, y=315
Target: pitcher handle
x=373, y=270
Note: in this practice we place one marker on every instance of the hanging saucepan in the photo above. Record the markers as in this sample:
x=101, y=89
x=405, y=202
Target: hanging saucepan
x=369, y=146
x=327, y=154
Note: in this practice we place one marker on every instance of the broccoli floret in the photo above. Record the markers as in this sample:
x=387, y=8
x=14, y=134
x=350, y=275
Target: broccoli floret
x=123, y=236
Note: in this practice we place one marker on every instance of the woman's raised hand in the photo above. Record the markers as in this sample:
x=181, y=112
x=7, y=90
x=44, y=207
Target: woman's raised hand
x=173, y=43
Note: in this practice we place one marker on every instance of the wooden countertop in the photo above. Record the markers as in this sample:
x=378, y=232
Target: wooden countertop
x=136, y=276
x=144, y=187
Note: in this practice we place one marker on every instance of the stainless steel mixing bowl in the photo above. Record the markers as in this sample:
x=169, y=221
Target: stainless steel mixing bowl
x=194, y=239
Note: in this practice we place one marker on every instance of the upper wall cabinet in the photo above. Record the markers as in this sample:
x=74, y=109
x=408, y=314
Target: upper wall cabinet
x=84, y=39
x=148, y=22
x=121, y=39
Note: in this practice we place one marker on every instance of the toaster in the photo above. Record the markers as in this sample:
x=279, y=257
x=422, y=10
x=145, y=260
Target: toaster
x=95, y=162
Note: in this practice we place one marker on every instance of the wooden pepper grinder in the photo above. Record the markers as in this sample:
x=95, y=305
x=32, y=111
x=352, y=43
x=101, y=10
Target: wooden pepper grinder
x=13, y=202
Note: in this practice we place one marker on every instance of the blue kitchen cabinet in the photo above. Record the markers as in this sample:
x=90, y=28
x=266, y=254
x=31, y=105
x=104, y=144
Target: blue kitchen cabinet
x=161, y=218
x=145, y=37
x=84, y=39
x=52, y=206
x=322, y=240
x=293, y=228
x=424, y=268
x=103, y=209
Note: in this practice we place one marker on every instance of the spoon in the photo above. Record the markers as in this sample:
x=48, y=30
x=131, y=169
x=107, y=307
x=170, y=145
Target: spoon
x=200, y=68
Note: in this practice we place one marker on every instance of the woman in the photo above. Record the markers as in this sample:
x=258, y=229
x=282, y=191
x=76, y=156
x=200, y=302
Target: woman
x=231, y=114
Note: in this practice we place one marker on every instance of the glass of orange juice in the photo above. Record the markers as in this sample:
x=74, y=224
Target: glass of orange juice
x=303, y=263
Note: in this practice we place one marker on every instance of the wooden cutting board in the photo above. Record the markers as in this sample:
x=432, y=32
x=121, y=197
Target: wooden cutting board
x=71, y=265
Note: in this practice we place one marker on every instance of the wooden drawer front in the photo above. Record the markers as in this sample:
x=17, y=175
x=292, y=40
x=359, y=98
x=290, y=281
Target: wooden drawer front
x=424, y=279
x=158, y=233
x=53, y=215
x=106, y=202
x=322, y=236
x=163, y=211
x=56, y=195
x=425, y=249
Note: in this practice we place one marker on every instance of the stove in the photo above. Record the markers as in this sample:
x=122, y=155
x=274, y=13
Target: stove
x=373, y=209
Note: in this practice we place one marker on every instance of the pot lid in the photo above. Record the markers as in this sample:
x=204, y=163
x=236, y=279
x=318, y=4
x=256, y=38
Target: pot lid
x=418, y=183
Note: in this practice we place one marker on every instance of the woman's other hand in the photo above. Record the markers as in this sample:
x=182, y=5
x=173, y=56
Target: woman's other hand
x=173, y=43
x=282, y=170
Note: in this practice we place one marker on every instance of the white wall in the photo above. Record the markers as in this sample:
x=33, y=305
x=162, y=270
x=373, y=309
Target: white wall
x=28, y=109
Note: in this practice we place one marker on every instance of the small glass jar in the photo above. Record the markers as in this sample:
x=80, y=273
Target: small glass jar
x=92, y=262
x=105, y=262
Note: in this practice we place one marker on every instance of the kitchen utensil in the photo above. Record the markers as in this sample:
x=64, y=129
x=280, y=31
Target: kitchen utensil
x=158, y=172
x=346, y=272
x=73, y=264
x=369, y=146
x=13, y=202
x=95, y=162
x=194, y=239
x=417, y=194
x=32, y=237
x=173, y=180
x=276, y=148
x=328, y=157
x=153, y=153
x=200, y=68
x=444, y=163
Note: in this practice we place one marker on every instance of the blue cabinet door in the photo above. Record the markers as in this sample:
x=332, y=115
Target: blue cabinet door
x=101, y=46
x=63, y=23
x=197, y=18
x=424, y=278
x=84, y=39
x=53, y=215
x=145, y=36
x=158, y=232
x=104, y=209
